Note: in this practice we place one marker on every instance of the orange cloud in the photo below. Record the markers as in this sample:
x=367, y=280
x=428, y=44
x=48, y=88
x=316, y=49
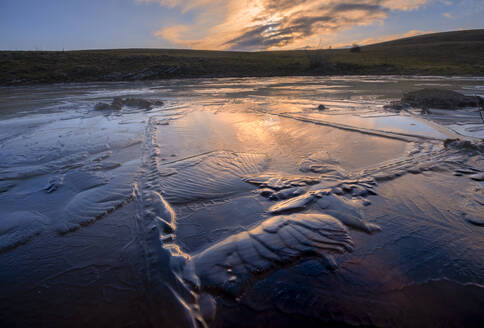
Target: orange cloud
x=404, y=4
x=272, y=24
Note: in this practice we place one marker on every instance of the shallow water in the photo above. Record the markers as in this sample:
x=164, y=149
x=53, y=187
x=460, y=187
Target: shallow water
x=239, y=203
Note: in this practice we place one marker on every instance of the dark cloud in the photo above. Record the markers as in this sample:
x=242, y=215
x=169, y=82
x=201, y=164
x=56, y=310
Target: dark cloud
x=257, y=38
x=359, y=6
x=304, y=23
x=263, y=24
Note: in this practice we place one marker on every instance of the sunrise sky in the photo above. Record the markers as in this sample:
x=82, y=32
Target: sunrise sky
x=225, y=24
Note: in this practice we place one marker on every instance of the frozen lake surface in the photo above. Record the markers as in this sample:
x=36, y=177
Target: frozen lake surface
x=239, y=203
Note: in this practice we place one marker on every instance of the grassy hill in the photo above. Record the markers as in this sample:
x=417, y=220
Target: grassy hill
x=448, y=53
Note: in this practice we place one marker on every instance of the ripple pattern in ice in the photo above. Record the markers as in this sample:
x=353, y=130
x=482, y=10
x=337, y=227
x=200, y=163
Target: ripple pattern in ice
x=213, y=175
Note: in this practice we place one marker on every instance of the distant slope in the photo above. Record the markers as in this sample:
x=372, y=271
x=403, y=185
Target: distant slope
x=447, y=37
x=448, y=53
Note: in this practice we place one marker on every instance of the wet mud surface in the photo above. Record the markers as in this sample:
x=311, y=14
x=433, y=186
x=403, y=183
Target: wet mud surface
x=240, y=203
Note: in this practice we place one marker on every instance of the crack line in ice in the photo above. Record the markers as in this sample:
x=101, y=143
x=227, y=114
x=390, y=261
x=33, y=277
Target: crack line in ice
x=386, y=134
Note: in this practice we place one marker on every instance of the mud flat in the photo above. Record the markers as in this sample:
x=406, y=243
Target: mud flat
x=238, y=202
